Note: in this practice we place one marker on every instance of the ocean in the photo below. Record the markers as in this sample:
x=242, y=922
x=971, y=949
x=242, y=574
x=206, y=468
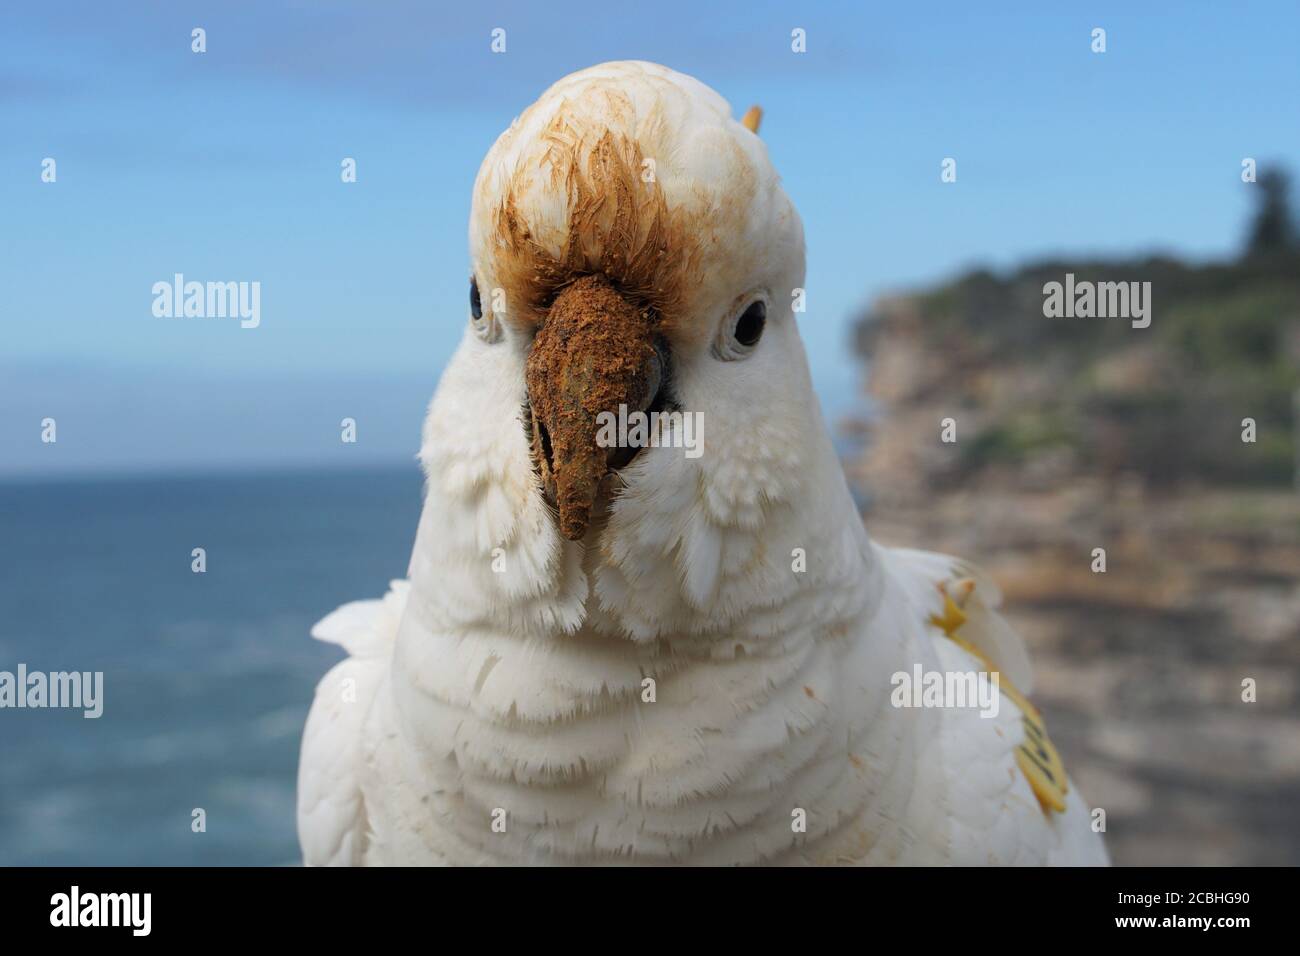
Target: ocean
x=207, y=677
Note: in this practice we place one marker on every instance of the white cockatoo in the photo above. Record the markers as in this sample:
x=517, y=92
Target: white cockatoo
x=652, y=654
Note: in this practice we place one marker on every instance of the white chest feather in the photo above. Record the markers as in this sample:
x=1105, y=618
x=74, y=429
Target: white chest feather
x=706, y=679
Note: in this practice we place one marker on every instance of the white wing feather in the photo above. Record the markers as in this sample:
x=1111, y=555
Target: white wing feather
x=993, y=816
x=332, y=822
x=987, y=630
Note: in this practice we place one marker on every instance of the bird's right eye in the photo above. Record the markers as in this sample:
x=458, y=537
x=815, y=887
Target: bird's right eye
x=475, y=303
x=484, y=323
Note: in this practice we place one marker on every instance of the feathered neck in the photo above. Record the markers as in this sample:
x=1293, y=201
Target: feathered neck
x=676, y=683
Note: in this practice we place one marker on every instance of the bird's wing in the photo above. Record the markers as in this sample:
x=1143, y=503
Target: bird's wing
x=365, y=628
x=938, y=580
x=332, y=823
x=1008, y=798
x=998, y=814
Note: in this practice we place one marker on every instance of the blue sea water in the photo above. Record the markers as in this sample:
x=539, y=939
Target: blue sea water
x=207, y=677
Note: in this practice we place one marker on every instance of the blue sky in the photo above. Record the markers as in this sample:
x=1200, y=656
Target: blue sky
x=225, y=165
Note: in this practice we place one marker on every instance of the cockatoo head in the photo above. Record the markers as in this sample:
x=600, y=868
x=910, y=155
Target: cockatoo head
x=632, y=246
x=632, y=250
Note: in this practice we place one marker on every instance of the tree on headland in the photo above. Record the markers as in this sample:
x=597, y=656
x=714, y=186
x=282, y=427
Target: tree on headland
x=1272, y=230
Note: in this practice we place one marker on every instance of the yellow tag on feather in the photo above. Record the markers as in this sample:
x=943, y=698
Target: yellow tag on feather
x=1037, y=756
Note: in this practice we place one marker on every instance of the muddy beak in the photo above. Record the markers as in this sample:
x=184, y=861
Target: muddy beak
x=594, y=352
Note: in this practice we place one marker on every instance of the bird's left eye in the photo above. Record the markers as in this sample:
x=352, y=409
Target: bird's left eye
x=749, y=327
x=741, y=332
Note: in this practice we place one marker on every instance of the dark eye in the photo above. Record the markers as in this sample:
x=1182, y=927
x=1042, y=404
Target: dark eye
x=749, y=327
x=475, y=303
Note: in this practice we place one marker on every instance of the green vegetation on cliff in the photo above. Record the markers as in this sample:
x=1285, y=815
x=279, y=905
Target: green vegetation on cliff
x=1166, y=402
